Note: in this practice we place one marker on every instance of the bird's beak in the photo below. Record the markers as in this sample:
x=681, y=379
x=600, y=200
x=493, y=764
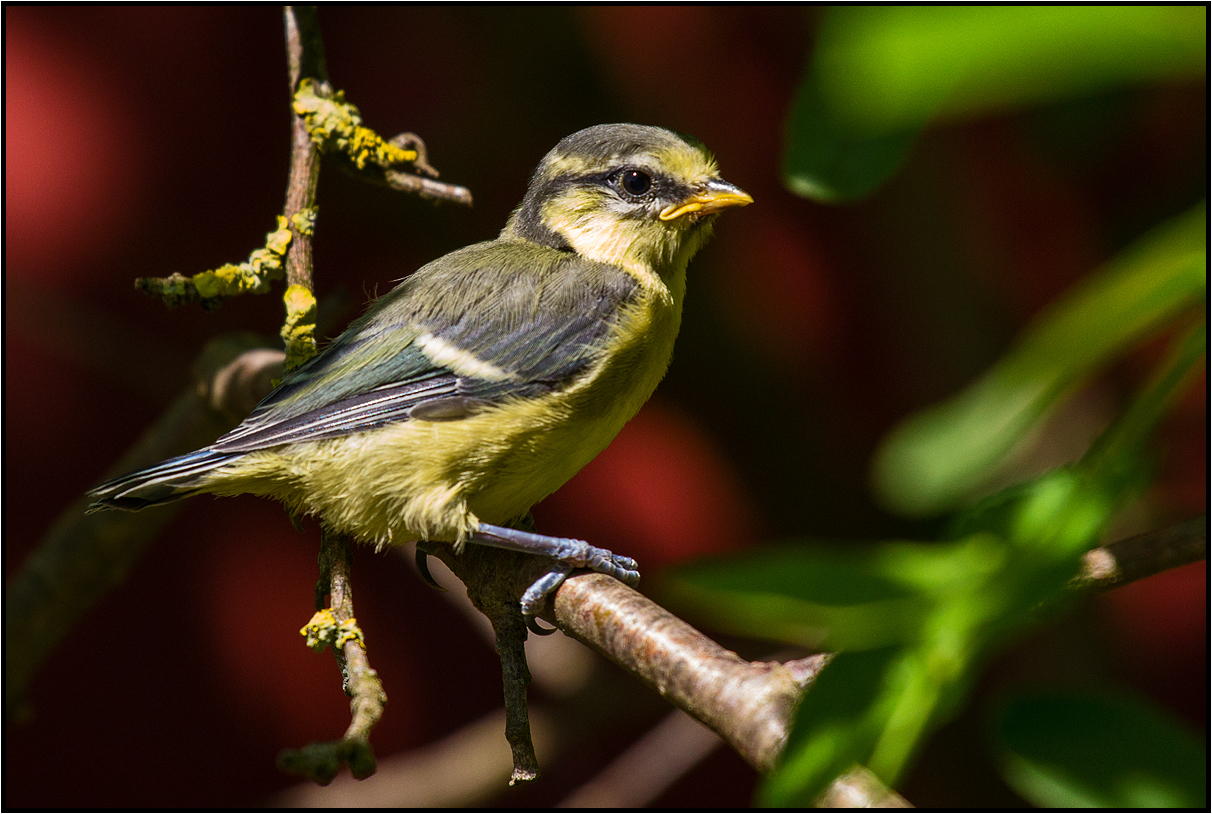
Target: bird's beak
x=711, y=197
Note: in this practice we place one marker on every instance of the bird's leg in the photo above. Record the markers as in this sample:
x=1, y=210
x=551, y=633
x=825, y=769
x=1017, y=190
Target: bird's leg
x=569, y=554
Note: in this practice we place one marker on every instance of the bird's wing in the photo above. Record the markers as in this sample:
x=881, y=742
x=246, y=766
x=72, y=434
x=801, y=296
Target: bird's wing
x=494, y=321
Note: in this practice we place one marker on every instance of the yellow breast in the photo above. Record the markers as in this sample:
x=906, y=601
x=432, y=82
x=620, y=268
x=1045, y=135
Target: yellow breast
x=438, y=480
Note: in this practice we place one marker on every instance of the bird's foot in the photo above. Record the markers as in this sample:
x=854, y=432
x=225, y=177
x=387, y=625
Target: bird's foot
x=569, y=555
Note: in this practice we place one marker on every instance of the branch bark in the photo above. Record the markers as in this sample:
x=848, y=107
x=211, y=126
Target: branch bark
x=335, y=625
x=305, y=59
x=748, y=704
x=1144, y=555
x=751, y=705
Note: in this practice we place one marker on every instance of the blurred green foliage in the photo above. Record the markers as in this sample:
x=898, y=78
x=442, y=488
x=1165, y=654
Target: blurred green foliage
x=936, y=460
x=1067, y=751
x=916, y=621
x=881, y=73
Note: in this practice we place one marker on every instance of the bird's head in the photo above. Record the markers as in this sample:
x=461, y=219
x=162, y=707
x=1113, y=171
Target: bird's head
x=635, y=196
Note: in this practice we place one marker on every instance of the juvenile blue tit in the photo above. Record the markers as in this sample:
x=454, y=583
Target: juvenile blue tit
x=489, y=377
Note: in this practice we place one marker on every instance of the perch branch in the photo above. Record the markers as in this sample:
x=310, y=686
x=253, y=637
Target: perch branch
x=748, y=704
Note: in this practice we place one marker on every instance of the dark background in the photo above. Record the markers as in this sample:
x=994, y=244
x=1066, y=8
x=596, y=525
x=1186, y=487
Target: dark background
x=142, y=141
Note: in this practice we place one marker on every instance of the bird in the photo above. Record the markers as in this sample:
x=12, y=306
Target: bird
x=487, y=378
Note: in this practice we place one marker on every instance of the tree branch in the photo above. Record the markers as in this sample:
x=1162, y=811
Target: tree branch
x=336, y=626
x=305, y=59
x=467, y=768
x=860, y=788
x=1144, y=555
x=321, y=121
x=83, y=556
x=495, y=579
x=749, y=704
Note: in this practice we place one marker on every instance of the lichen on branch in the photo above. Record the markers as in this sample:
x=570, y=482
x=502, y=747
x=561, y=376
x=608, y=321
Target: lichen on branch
x=336, y=627
x=323, y=631
x=299, y=328
x=210, y=288
x=335, y=125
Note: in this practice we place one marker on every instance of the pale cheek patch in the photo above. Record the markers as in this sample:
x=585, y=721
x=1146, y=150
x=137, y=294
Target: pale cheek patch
x=600, y=234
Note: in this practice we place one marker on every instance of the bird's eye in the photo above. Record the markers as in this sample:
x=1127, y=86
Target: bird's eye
x=635, y=182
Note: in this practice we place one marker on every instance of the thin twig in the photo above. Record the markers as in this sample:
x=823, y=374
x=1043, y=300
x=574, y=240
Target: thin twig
x=1144, y=555
x=495, y=579
x=427, y=188
x=468, y=767
x=305, y=60
x=322, y=761
x=417, y=178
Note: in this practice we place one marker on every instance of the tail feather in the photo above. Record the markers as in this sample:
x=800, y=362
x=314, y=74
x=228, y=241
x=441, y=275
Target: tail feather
x=165, y=482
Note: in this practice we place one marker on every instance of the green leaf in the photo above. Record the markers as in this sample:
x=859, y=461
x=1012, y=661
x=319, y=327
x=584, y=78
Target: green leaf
x=1099, y=752
x=886, y=69
x=941, y=458
x=1114, y=453
x=836, y=726
x=797, y=594
x=879, y=74
x=853, y=597
x=827, y=161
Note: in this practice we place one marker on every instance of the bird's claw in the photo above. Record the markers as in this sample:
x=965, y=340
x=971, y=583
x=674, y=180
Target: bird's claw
x=539, y=590
x=568, y=554
x=423, y=568
x=624, y=569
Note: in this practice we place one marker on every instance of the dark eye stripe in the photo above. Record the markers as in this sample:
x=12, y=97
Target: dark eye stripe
x=662, y=186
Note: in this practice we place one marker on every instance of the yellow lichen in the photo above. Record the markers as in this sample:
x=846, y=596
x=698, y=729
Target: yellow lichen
x=278, y=241
x=304, y=221
x=253, y=275
x=321, y=630
x=299, y=328
x=229, y=280
x=335, y=124
x=349, y=631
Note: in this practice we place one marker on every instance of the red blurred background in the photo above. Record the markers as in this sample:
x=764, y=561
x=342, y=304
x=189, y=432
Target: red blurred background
x=143, y=141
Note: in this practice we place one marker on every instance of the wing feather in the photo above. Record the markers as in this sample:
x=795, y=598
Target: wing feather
x=537, y=315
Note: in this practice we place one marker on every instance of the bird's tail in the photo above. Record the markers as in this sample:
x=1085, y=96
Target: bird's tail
x=163, y=483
